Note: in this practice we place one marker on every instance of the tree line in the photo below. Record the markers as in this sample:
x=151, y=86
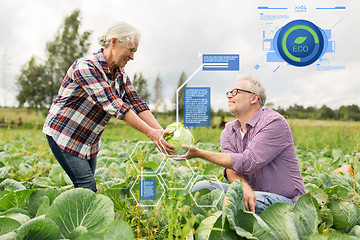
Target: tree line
x=345, y=112
x=39, y=82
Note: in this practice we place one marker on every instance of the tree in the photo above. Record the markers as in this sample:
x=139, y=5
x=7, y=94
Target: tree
x=141, y=86
x=181, y=81
x=158, y=99
x=350, y=112
x=69, y=44
x=32, y=86
x=326, y=113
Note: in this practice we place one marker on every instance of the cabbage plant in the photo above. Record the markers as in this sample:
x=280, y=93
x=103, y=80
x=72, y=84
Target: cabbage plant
x=180, y=135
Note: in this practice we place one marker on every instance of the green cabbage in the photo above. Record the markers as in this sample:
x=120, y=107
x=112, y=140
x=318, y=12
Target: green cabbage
x=180, y=136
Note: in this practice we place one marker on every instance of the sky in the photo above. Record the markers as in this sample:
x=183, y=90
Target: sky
x=175, y=34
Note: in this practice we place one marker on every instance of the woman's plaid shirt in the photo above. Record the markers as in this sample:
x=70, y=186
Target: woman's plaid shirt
x=85, y=103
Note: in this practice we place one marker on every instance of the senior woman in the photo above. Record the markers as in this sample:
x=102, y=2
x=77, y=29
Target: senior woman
x=95, y=89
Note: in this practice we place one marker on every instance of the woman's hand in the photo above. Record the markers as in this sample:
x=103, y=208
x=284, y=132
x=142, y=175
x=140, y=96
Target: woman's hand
x=157, y=136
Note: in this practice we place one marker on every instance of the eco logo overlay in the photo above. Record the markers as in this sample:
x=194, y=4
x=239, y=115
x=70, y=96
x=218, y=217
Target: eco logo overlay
x=300, y=43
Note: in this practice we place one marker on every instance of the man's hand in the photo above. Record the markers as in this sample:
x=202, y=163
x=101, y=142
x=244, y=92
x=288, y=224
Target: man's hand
x=191, y=152
x=249, y=198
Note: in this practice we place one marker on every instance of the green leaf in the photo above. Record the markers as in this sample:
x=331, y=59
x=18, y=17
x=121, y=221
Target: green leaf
x=150, y=166
x=43, y=182
x=207, y=227
x=37, y=199
x=300, y=40
x=17, y=216
x=76, y=232
x=338, y=191
x=102, y=175
x=11, y=185
x=17, y=199
x=246, y=224
x=39, y=228
x=14, y=211
x=4, y=172
x=228, y=233
x=338, y=155
x=320, y=195
x=56, y=175
x=118, y=229
x=214, y=198
x=117, y=171
x=280, y=219
x=44, y=206
x=307, y=215
x=81, y=207
x=8, y=236
x=327, y=217
x=293, y=222
x=345, y=214
x=330, y=236
x=355, y=231
x=8, y=225
x=24, y=170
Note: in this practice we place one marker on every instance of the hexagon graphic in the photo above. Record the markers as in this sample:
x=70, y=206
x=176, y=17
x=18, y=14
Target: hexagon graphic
x=146, y=158
x=147, y=190
x=176, y=175
x=212, y=179
x=114, y=172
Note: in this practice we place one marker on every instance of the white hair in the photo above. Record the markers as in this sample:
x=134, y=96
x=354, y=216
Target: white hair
x=122, y=31
x=255, y=87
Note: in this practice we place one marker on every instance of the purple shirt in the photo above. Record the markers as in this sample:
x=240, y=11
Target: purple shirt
x=265, y=155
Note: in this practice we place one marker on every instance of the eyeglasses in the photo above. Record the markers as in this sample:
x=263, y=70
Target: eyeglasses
x=235, y=91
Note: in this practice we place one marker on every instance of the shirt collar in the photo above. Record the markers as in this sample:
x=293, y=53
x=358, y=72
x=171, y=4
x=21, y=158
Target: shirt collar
x=104, y=64
x=255, y=118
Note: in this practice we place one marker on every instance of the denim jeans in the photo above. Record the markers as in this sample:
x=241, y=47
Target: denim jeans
x=81, y=171
x=263, y=199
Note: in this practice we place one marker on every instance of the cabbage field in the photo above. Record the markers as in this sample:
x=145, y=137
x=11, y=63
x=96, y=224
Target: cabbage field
x=37, y=200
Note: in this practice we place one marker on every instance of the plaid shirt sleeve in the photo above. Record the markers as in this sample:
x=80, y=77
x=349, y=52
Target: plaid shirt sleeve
x=132, y=97
x=100, y=92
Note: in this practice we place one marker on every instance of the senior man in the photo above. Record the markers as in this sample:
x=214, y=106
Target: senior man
x=257, y=148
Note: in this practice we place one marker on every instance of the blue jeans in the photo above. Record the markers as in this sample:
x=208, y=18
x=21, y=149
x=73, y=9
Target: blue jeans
x=81, y=171
x=263, y=199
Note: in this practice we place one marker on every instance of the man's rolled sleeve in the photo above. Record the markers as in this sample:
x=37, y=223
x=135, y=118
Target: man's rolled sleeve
x=226, y=147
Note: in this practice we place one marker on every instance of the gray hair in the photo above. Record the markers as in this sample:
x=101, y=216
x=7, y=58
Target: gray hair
x=122, y=31
x=255, y=86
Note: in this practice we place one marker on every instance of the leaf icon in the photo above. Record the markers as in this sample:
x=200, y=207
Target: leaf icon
x=300, y=40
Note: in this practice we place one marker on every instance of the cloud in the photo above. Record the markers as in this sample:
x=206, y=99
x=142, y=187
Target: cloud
x=174, y=32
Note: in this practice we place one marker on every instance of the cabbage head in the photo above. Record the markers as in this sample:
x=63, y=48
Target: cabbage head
x=180, y=136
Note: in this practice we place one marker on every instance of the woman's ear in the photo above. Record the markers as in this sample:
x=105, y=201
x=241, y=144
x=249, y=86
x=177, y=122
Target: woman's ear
x=113, y=42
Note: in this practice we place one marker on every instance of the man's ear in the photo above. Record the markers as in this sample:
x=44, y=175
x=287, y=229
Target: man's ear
x=254, y=98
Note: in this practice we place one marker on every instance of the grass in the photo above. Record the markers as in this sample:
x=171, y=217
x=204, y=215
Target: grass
x=320, y=134
x=307, y=134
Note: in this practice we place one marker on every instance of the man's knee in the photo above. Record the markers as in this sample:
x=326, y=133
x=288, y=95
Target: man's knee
x=202, y=185
x=265, y=199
